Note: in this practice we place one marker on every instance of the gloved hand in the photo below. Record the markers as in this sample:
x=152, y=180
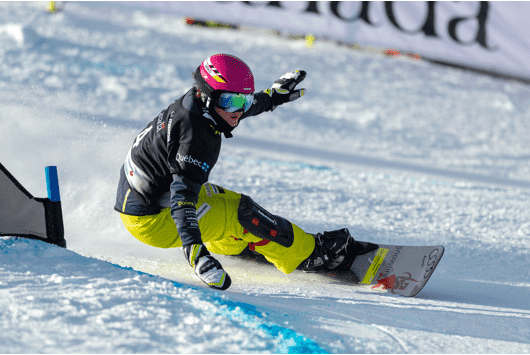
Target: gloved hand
x=207, y=267
x=282, y=90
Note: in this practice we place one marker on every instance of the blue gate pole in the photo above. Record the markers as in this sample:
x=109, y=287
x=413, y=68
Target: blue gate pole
x=52, y=183
x=53, y=210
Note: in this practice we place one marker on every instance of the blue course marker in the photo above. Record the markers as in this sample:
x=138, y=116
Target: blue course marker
x=52, y=183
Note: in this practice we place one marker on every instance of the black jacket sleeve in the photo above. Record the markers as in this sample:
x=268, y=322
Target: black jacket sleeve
x=192, y=153
x=262, y=103
x=184, y=197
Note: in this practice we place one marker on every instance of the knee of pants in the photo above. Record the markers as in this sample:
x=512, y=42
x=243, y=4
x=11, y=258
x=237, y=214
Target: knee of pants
x=280, y=241
x=155, y=230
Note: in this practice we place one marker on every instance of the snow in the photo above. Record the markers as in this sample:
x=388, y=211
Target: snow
x=398, y=151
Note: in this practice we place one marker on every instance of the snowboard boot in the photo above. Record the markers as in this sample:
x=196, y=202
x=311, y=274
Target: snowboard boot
x=334, y=250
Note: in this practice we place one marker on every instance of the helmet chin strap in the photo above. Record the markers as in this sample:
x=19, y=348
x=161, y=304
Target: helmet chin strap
x=221, y=124
x=210, y=114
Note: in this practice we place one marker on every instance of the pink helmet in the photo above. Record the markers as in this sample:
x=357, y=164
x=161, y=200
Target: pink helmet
x=224, y=72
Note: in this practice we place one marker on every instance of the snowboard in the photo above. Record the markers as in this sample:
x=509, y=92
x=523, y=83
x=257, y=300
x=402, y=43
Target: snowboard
x=397, y=269
x=402, y=270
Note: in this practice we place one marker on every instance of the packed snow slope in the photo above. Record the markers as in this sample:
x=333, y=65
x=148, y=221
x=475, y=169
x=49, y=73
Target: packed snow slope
x=398, y=151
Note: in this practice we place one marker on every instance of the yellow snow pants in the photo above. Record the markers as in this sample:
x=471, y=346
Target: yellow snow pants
x=221, y=231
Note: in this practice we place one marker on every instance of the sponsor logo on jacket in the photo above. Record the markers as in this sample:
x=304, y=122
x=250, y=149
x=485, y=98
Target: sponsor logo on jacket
x=189, y=159
x=160, y=124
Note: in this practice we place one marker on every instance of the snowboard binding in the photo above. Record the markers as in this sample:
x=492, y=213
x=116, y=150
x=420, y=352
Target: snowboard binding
x=334, y=251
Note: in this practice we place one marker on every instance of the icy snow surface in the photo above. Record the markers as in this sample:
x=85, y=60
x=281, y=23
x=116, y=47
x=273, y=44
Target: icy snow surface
x=398, y=151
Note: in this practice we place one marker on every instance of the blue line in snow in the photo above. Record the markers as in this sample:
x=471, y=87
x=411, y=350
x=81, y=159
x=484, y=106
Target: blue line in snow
x=290, y=342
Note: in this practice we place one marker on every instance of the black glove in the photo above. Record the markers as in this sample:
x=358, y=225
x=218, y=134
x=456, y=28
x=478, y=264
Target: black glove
x=207, y=267
x=282, y=90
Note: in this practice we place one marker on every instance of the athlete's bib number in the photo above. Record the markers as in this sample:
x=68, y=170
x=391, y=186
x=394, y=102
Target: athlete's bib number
x=141, y=136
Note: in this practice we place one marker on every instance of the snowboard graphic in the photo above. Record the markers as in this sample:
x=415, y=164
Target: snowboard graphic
x=402, y=270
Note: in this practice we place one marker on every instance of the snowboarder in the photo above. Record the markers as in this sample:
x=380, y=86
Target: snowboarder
x=164, y=197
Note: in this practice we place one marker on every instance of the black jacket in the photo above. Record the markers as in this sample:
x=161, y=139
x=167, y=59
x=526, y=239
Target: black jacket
x=171, y=159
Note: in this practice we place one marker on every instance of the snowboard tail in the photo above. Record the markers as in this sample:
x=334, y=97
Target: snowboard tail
x=402, y=270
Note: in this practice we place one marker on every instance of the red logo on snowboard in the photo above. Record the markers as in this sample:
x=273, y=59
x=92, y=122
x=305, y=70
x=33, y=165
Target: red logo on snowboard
x=394, y=283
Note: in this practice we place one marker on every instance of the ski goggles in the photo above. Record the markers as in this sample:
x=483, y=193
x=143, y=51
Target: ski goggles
x=232, y=102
